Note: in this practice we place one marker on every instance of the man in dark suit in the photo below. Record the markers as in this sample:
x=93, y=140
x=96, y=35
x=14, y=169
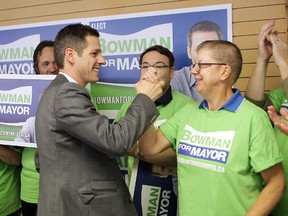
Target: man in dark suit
x=77, y=147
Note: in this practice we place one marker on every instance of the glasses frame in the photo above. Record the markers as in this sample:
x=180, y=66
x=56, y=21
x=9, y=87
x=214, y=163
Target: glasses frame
x=198, y=66
x=146, y=66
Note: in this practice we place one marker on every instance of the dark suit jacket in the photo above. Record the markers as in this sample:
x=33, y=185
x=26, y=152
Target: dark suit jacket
x=77, y=147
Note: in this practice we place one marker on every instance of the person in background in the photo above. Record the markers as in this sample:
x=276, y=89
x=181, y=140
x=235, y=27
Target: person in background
x=44, y=63
x=10, y=159
x=183, y=81
x=226, y=148
x=160, y=60
x=270, y=44
x=43, y=58
x=77, y=147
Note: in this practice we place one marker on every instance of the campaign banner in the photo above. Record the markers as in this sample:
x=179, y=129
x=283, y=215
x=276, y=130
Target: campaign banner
x=18, y=42
x=124, y=37
x=19, y=98
x=20, y=95
x=109, y=97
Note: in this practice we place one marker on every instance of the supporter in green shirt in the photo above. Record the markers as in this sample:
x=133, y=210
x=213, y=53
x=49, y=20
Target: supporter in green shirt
x=160, y=60
x=225, y=146
x=269, y=43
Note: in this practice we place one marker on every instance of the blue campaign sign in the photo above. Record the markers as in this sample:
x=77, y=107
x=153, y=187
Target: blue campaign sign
x=19, y=98
x=124, y=37
x=152, y=193
x=17, y=44
x=20, y=95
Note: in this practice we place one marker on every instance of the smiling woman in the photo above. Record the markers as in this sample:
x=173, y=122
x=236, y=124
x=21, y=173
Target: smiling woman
x=221, y=140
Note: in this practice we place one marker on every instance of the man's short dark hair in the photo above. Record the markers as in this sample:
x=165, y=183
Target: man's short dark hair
x=72, y=36
x=204, y=26
x=162, y=50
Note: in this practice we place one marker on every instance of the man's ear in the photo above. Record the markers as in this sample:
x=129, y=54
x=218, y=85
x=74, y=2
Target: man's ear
x=70, y=55
x=172, y=72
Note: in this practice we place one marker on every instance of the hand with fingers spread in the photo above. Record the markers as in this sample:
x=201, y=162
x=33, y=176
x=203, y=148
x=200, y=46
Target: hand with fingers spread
x=281, y=123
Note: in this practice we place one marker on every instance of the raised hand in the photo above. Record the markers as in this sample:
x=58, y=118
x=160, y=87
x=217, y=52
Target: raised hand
x=280, y=53
x=264, y=44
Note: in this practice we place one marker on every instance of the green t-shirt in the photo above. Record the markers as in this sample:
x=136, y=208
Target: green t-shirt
x=278, y=98
x=9, y=189
x=29, y=177
x=219, y=157
x=166, y=111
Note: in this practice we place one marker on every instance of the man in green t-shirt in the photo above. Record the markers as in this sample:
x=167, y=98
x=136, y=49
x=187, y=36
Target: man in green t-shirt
x=158, y=60
x=255, y=91
x=225, y=145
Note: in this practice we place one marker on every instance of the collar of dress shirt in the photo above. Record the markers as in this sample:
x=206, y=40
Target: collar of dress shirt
x=70, y=79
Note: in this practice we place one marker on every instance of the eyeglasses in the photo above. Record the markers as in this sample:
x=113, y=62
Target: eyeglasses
x=157, y=66
x=199, y=66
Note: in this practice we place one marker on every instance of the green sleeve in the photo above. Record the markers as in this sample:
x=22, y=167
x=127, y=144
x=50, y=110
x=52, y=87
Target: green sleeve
x=277, y=96
x=284, y=85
